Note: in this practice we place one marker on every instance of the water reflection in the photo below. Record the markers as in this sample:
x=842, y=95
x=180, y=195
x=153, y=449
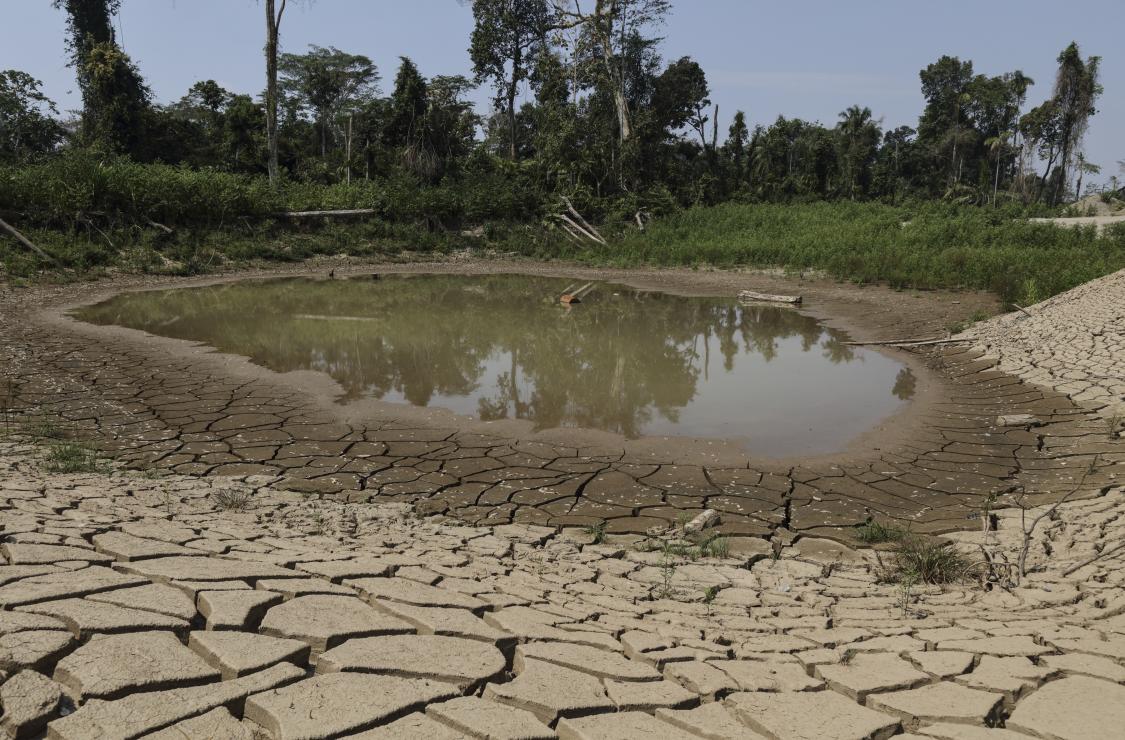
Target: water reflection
x=497, y=347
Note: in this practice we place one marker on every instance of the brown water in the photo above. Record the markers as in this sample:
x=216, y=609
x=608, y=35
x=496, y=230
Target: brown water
x=629, y=361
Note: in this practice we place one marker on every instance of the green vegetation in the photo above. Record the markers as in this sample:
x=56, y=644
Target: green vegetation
x=629, y=137
x=72, y=457
x=596, y=532
x=873, y=532
x=930, y=246
x=925, y=560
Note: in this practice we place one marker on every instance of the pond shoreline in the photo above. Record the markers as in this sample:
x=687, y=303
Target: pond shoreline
x=208, y=413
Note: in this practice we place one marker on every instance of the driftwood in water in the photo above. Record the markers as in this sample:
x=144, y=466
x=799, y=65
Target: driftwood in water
x=905, y=342
x=575, y=297
x=750, y=295
x=327, y=214
x=11, y=230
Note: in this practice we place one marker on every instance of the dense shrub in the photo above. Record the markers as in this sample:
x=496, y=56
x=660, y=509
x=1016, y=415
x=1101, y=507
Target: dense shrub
x=91, y=211
x=81, y=185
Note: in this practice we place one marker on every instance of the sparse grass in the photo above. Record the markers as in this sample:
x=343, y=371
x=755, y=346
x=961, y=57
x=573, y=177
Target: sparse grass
x=1114, y=425
x=43, y=427
x=72, y=457
x=925, y=560
x=232, y=499
x=714, y=546
x=596, y=532
x=959, y=326
x=874, y=532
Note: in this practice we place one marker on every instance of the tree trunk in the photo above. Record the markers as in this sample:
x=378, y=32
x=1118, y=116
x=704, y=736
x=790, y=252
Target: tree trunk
x=349, y=152
x=273, y=22
x=513, y=88
x=512, y=119
x=996, y=181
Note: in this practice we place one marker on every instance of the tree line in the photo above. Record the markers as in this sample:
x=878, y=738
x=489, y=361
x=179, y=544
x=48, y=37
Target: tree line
x=584, y=105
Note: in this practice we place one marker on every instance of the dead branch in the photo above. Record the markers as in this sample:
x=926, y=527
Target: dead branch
x=577, y=228
x=1025, y=546
x=91, y=225
x=585, y=224
x=11, y=230
x=327, y=214
x=160, y=226
x=1103, y=554
x=572, y=230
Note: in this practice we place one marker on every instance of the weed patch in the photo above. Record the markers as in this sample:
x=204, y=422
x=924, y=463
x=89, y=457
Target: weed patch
x=71, y=457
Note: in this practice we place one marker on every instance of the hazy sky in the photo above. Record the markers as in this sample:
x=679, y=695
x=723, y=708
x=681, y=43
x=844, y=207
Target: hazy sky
x=810, y=59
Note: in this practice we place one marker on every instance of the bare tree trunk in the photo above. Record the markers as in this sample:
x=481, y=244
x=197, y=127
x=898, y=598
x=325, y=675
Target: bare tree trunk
x=996, y=181
x=349, y=151
x=273, y=22
x=512, y=90
x=512, y=121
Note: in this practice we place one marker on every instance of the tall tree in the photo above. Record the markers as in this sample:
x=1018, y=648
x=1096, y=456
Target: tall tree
x=114, y=97
x=502, y=46
x=610, y=24
x=408, y=106
x=735, y=147
x=273, y=26
x=327, y=81
x=26, y=125
x=859, y=140
x=1076, y=92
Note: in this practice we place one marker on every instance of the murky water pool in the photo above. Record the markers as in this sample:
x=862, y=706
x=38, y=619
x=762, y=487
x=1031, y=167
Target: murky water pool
x=628, y=361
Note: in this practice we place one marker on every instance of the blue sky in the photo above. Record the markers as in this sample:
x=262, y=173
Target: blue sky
x=810, y=59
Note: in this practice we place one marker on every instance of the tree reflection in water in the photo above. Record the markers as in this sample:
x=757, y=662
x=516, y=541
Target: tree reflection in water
x=499, y=346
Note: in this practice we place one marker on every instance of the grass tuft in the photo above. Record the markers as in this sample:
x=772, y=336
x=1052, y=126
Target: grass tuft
x=71, y=457
x=926, y=560
x=231, y=499
x=596, y=532
x=873, y=532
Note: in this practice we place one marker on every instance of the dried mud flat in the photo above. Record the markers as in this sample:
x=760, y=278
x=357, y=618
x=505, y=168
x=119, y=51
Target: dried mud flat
x=275, y=604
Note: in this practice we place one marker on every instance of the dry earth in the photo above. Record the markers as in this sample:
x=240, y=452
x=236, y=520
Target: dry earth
x=137, y=603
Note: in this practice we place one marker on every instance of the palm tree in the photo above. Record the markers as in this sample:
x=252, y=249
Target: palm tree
x=858, y=136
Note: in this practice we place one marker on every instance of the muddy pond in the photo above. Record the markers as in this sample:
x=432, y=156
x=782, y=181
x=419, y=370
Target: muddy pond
x=627, y=361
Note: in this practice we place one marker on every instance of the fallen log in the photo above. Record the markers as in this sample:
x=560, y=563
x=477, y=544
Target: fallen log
x=326, y=214
x=750, y=295
x=322, y=317
x=158, y=225
x=905, y=342
x=11, y=230
x=585, y=224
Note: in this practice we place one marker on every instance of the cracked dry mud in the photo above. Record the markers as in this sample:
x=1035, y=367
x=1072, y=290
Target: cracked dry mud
x=134, y=604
